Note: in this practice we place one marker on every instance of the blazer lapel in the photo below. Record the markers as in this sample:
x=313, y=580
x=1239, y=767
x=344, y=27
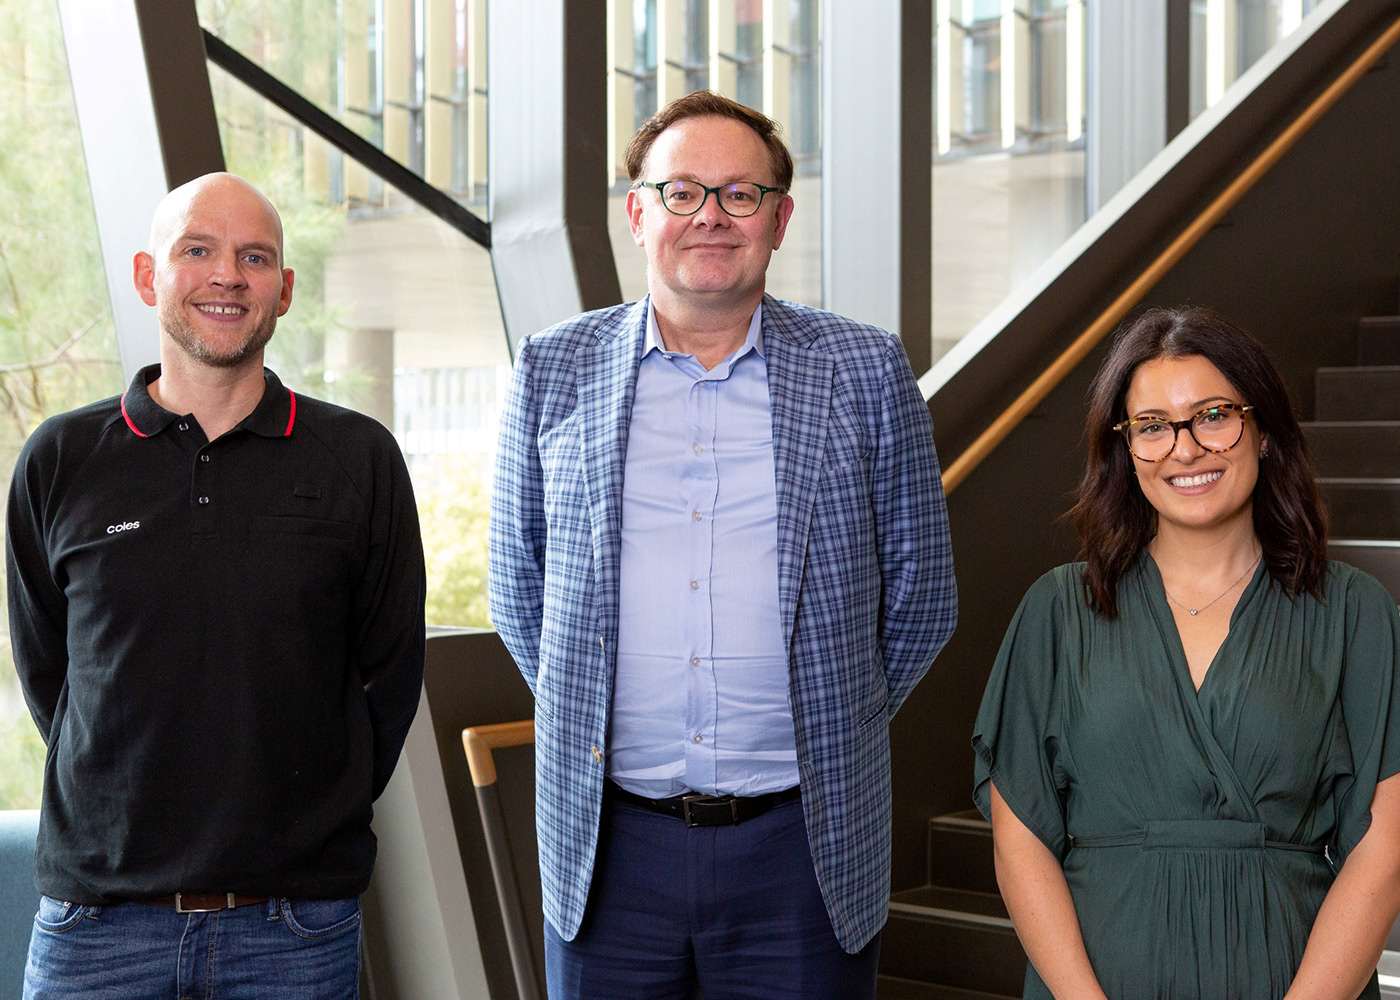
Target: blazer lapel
x=607, y=384
x=799, y=394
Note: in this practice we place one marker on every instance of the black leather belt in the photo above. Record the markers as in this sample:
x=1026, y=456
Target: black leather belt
x=706, y=810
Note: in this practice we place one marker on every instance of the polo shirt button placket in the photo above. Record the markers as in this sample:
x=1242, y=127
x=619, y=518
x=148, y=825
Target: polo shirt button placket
x=203, y=487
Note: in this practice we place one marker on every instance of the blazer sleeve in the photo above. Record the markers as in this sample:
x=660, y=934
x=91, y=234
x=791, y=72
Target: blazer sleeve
x=518, y=527
x=919, y=602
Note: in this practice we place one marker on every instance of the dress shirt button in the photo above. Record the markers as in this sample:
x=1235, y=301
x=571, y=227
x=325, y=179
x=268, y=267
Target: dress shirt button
x=203, y=499
x=699, y=738
x=694, y=584
x=695, y=661
x=204, y=458
x=183, y=425
x=697, y=515
x=698, y=448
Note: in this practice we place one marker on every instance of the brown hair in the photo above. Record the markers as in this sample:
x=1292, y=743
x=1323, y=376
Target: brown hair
x=700, y=104
x=1115, y=521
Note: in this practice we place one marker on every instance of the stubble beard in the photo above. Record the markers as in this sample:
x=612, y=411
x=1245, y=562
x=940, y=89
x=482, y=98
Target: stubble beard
x=182, y=333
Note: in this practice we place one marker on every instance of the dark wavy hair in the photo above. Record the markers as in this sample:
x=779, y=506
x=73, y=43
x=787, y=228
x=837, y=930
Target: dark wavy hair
x=1115, y=521
x=706, y=103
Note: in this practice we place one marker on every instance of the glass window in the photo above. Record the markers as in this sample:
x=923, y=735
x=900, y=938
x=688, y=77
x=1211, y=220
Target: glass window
x=697, y=45
x=409, y=76
x=981, y=10
x=1002, y=203
x=748, y=52
x=1049, y=70
x=57, y=342
x=396, y=315
x=1229, y=37
x=643, y=60
x=983, y=113
x=733, y=36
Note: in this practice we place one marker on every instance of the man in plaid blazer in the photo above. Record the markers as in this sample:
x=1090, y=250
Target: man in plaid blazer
x=720, y=557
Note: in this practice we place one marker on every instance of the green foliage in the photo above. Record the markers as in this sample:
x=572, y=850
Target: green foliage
x=454, y=507
x=21, y=764
x=57, y=339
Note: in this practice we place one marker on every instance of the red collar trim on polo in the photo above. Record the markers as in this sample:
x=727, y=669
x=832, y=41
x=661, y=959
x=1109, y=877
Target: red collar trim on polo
x=266, y=420
x=129, y=422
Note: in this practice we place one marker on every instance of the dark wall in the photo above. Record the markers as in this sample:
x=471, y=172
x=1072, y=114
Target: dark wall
x=470, y=680
x=1310, y=249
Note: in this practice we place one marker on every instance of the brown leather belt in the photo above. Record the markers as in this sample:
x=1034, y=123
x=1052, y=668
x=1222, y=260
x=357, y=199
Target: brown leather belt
x=204, y=902
x=706, y=810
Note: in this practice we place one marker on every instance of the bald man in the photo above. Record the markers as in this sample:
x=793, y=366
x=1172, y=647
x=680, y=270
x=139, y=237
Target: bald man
x=216, y=605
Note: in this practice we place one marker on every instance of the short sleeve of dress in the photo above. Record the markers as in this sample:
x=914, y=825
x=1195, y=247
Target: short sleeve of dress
x=1013, y=737
x=1370, y=695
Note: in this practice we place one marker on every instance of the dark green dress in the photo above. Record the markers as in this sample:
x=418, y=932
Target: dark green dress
x=1192, y=826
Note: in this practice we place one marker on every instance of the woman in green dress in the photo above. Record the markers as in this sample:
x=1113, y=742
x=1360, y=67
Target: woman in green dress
x=1189, y=743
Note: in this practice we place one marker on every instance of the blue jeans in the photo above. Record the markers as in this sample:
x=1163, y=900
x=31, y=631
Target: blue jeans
x=289, y=949
x=727, y=911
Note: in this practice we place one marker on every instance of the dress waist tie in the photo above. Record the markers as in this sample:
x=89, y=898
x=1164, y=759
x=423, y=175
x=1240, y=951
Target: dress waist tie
x=1198, y=834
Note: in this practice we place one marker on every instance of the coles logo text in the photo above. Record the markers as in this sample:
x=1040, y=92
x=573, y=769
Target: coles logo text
x=112, y=529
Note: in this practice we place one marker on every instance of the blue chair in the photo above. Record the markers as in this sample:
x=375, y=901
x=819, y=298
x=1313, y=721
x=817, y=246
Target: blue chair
x=18, y=897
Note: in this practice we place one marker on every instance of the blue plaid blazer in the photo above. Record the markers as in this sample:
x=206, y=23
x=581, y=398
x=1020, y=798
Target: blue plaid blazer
x=865, y=577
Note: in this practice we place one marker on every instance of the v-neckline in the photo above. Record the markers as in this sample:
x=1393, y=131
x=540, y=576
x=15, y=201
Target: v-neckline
x=1171, y=632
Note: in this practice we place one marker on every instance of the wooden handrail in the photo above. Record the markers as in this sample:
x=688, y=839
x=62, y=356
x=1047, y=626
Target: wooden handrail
x=1109, y=319
x=479, y=741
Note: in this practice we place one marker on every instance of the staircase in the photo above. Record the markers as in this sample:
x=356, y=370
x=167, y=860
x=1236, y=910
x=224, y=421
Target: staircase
x=1355, y=443
x=951, y=939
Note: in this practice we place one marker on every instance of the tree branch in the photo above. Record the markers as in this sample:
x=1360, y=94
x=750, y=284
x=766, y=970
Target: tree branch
x=58, y=353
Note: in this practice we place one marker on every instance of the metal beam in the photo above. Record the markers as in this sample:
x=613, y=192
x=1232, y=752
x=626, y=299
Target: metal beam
x=548, y=149
x=146, y=116
x=877, y=125
x=311, y=117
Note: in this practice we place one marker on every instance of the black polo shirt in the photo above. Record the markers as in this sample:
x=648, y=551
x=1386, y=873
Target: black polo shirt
x=221, y=643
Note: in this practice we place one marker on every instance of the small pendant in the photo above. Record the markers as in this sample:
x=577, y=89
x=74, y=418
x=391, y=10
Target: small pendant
x=1194, y=611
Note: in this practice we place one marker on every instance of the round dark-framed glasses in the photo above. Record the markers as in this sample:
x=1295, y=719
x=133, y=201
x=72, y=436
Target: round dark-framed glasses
x=1216, y=428
x=738, y=200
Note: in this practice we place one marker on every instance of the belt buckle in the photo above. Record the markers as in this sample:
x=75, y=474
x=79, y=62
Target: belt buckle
x=181, y=908
x=688, y=800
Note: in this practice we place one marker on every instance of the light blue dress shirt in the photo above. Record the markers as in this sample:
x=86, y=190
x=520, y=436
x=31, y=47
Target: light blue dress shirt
x=700, y=696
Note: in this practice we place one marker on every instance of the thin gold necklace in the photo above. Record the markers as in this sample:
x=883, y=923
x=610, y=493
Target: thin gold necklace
x=1193, y=612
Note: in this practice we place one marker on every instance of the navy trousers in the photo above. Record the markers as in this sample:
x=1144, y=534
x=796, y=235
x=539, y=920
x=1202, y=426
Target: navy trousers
x=726, y=912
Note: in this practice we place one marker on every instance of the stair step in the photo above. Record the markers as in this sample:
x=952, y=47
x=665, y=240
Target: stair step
x=1362, y=508
x=960, y=852
x=1357, y=449
x=1378, y=340
x=1371, y=393
x=952, y=937
x=1379, y=557
x=936, y=901
x=892, y=988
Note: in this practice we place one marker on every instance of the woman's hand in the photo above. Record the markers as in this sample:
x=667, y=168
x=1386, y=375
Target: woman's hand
x=1360, y=908
x=1037, y=896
